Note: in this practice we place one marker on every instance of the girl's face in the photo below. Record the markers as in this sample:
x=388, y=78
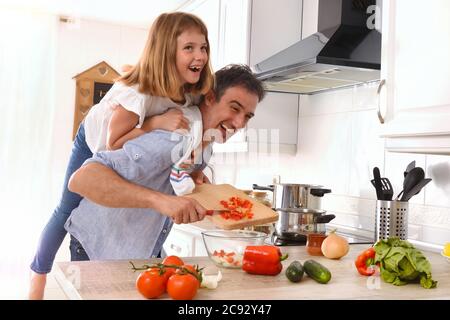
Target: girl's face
x=191, y=55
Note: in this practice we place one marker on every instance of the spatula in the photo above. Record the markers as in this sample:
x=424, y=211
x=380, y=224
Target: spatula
x=415, y=190
x=412, y=178
x=410, y=166
x=387, y=192
x=377, y=183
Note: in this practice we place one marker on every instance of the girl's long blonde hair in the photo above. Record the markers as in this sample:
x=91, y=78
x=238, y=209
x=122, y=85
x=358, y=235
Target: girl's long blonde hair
x=156, y=72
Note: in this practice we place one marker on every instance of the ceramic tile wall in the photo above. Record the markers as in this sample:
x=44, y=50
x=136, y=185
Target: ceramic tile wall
x=338, y=146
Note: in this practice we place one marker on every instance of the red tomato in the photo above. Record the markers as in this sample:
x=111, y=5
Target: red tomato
x=190, y=268
x=151, y=284
x=172, y=260
x=182, y=286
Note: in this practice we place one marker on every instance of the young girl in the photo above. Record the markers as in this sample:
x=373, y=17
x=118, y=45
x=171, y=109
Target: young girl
x=172, y=73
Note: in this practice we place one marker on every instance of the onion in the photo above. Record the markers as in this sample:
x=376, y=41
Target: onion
x=334, y=246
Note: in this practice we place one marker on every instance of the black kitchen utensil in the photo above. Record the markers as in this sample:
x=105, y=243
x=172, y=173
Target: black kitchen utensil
x=415, y=190
x=269, y=188
x=410, y=166
x=378, y=183
x=412, y=178
x=386, y=187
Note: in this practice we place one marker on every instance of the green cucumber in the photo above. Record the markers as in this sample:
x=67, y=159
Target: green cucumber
x=317, y=271
x=294, y=272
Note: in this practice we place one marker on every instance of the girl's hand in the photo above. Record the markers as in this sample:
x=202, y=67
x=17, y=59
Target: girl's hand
x=170, y=120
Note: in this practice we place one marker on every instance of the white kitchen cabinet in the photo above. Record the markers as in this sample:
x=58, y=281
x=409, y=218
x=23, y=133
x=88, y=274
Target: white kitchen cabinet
x=233, y=32
x=179, y=243
x=227, y=23
x=274, y=27
x=185, y=241
x=248, y=32
x=228, y=32
x=415, y=73
x=209, y=12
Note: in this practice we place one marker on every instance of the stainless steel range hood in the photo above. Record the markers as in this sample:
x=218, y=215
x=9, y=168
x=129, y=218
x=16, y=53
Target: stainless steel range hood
x=347, y=54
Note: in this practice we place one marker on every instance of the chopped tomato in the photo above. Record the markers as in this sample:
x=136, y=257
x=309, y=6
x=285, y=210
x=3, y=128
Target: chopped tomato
x=227, y=259
x=238, y=209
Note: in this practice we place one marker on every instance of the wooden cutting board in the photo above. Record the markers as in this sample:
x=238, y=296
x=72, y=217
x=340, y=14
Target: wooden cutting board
x=210, y=195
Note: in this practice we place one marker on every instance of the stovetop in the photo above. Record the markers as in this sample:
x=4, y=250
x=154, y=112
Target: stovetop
x=300, y=240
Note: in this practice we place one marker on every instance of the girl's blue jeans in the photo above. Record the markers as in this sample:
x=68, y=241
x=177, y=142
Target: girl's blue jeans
x=53, y=234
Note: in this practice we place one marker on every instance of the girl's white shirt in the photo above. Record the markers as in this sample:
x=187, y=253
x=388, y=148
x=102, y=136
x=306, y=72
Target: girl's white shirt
x=144, y=105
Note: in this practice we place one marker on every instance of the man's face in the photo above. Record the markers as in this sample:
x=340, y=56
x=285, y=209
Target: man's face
x=230, y=113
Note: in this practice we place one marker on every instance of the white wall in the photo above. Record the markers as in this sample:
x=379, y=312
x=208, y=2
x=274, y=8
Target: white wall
x=338, y=146
x=81, y=46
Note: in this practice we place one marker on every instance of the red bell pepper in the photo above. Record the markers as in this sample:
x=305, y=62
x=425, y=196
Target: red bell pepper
x=265, y=260
x=365, y=262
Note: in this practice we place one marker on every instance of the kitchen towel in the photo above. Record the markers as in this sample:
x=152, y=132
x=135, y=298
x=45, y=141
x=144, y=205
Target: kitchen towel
x=180, y=178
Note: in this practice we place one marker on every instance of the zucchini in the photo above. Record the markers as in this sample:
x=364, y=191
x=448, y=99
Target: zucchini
x=317, y=271
x=295, y=271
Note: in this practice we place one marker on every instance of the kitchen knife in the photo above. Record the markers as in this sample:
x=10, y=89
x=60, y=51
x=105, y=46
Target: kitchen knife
x=378, y=185
x=211, y=212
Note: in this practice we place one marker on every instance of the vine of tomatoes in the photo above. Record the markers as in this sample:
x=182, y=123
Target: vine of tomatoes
x=181, y=281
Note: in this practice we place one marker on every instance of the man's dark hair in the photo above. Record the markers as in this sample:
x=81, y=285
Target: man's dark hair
x=234, y=75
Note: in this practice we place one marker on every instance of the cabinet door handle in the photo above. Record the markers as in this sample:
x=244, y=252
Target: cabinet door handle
x=381, y=84
x=175, y=247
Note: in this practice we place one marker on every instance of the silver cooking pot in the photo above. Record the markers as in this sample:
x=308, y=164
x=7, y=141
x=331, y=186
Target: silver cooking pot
x=293, y=221
x=292, y=195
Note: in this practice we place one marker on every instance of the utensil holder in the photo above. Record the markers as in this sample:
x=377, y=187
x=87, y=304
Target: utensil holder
x=391, y=219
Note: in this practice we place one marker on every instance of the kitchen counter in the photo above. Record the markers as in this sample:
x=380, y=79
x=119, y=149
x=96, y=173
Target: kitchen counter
x=116, y=280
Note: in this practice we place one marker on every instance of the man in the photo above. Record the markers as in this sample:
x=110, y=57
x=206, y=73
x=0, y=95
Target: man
x=129, y=207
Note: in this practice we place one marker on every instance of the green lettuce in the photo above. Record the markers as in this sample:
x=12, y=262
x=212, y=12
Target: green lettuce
x=401, y=263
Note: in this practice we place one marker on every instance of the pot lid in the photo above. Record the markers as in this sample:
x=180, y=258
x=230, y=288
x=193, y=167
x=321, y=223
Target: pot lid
x=304, y=185
x=301, y=210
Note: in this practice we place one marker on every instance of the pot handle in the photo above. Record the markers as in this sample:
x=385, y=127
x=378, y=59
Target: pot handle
x=256, y=187
x=319, y=192
x=325, y=218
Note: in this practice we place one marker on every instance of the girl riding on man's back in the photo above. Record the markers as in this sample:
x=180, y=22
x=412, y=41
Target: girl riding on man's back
x=172, y=73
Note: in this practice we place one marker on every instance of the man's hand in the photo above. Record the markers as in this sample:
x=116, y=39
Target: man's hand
x=111, y=190
x=181, y=209
x=199, y=177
